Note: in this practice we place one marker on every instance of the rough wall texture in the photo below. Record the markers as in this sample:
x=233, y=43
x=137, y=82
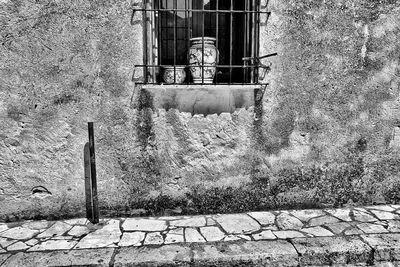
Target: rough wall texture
x=334, y=90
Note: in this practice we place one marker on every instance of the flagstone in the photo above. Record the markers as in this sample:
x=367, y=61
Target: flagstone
x=384, y=215
x=212, y=233
x=383, y=208
x=306, y=215
x=151, y=225
x=153, y=238
x=264, y=218
x=264, y=235
x=363, y=216
x=62, y=237
x=211, y=221
x=245, y=237
x=338, y=228
x=31, y=242
x=77, y=221
x=4, y=242
x=342, y=214
x=270, y=227
x=131, y=239
x=192, y=235
x=323, y=220
x=19, y=233
x=54, y=245
x=285, y=222
x=38, y=225
x=395, y=206
x=3, y=227
x=394, y=226
x=78, y=231
x=371, y=228
x=174, y=236
x=288, y=234
x=231, y=238
x=197, y=221
x=238, y=223
x=317, y=231
x=353, y=231
x=17, y=246
x=57, y=229
x=2, y=251
x=103, y=237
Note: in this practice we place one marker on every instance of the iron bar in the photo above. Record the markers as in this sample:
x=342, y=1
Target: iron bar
x=95, y=201
x=217, y=38
x=230, y=41
x=88, y=182
x=201, y=11
x=175, y=14
x=202, y=41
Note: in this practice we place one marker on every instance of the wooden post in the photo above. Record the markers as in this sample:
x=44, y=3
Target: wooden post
x=95, y=201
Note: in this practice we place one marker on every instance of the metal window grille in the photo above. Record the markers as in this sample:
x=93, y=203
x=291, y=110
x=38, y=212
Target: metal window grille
x=170, y=24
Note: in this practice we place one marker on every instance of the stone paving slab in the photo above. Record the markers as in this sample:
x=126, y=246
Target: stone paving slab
x=87, y=257
x=168, y=255
x=331, y=250
x=386, y=246
x=251, y=253
x=318, y=236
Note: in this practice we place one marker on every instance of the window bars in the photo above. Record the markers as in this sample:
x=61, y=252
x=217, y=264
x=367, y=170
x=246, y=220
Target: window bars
x=201, y=41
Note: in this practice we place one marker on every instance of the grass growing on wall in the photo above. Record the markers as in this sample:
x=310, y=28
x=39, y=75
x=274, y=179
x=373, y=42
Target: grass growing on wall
x=357, y=180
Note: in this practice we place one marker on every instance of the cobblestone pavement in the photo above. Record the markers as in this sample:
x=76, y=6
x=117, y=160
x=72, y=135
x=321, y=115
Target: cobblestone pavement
x=367, y=235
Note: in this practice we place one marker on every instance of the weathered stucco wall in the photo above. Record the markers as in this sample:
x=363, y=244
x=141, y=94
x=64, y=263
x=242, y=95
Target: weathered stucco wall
x=333, y=95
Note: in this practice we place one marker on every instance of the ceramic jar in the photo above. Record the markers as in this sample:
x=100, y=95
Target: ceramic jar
x=169, y=74
x=203, y=52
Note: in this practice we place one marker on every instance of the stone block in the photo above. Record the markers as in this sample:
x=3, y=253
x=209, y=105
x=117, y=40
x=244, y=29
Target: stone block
x=259, y=253
x=133, y=224
x=168, y=255
x=386, y=246
x=238, y=223
x=331, y=250
x=84, y=257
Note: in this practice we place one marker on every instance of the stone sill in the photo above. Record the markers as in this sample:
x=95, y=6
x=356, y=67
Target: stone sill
x=202, y=99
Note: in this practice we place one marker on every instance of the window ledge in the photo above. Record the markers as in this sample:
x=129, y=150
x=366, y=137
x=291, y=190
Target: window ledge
x=202, y=99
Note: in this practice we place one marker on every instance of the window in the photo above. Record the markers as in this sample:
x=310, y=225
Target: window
x=201, y=41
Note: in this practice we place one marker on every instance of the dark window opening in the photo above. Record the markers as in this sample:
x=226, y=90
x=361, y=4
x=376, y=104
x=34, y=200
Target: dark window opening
x=172, y=23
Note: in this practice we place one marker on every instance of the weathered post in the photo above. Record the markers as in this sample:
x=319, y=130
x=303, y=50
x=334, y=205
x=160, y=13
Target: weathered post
x=88, y=182
x=93, y=181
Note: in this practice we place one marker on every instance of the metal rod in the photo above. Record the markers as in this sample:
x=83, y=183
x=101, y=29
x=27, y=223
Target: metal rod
x=88, y=182
x=145, y=59
x=217, y=38
x=245, y=38
x=95, y=200
x=187, y=35
x=257, y=33
x=230, y=42
x=225, y=66
x=200, y=11
x=175, y=15
x=202, y=43
x=159, y=34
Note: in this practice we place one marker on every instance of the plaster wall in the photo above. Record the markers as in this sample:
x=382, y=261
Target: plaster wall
x=334, y=88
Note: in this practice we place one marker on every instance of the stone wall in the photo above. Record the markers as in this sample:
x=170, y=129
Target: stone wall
x=334, y=88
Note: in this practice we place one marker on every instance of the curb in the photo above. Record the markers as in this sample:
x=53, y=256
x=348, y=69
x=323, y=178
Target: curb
x=370, y=249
